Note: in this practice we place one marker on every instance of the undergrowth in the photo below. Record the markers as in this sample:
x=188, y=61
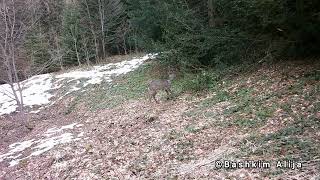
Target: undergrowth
x=130, y=86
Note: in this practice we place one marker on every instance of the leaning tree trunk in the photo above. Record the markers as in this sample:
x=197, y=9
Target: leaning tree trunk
x=17, y=80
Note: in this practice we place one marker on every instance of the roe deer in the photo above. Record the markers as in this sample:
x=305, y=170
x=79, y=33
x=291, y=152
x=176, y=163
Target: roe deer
x=157, y=85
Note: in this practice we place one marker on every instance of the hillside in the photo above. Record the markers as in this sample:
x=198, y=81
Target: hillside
x=107, y=129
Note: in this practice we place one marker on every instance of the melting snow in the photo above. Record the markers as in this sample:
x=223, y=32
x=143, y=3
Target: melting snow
x=47, y=142
x=34, y=93
x=53, y=131
x=80, y=134
x=39, y=89
x=99, y=74
x=16, y=147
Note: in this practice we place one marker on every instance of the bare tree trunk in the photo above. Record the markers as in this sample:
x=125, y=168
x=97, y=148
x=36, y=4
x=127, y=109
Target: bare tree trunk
x=102, y=20
x=75, y=45
x=214, y=19
x=118, y=49
x=11, y=84
x=11, y=34
x=124, y=45
x=13, y=58
x=92, y=31
x=135, y=43
x=211, y=13
x=87, y=56
x=76, y=49
x=59, y=52
x=86, y=50
x=130, y=48
x=17, y=80
x=9, y=46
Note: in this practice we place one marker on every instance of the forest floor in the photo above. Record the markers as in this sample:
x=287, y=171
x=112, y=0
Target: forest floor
x=269, y=114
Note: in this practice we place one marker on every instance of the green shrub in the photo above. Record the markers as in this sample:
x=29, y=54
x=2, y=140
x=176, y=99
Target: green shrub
x=198, y=82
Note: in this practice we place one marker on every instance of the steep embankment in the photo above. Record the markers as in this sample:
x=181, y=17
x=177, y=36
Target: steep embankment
x=111, y=131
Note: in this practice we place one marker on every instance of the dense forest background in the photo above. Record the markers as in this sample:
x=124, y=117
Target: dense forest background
x=49, y=35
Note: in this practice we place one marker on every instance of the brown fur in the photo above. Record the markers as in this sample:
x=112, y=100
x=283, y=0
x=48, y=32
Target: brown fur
x=157, y=85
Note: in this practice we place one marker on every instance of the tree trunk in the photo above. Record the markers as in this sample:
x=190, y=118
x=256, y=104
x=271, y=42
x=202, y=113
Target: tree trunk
x=92, y=31
x=59, y=52
x=15, y=71
x=118, y=49
x=135, y=43
x=11, y=84
x=76, y=49
x=9, y=59
x=124, y=46
x=211, y=13
x=102, y=20
x=86, y=51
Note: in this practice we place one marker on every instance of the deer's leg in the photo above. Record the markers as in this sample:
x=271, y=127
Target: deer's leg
x=149, y=96
x=153, y=95
x=168, y=91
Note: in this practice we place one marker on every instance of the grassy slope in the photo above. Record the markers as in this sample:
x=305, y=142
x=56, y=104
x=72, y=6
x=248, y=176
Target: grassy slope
x=272, y=110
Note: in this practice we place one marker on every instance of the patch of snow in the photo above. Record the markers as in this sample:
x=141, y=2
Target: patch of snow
x=16, y=147
x=35, y=112
x=35, y=92
x=79, y=125
x=61, y=165
x=98, y=74
x=39, y=89
x=95, y=81
x=47, y=144
x=55, y=130
x=75, y=89
x=15, y=157
x=80, y=134
x=41, y=146
x=14, y=162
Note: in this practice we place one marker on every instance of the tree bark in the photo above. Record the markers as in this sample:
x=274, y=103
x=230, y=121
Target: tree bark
x=124, y=45
x=211, y=13
x=75, y=45
x=86, y=50
x=102, y=20
x=76, y=49
x=92, y=30
x=59, y=52
x=10, y=37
